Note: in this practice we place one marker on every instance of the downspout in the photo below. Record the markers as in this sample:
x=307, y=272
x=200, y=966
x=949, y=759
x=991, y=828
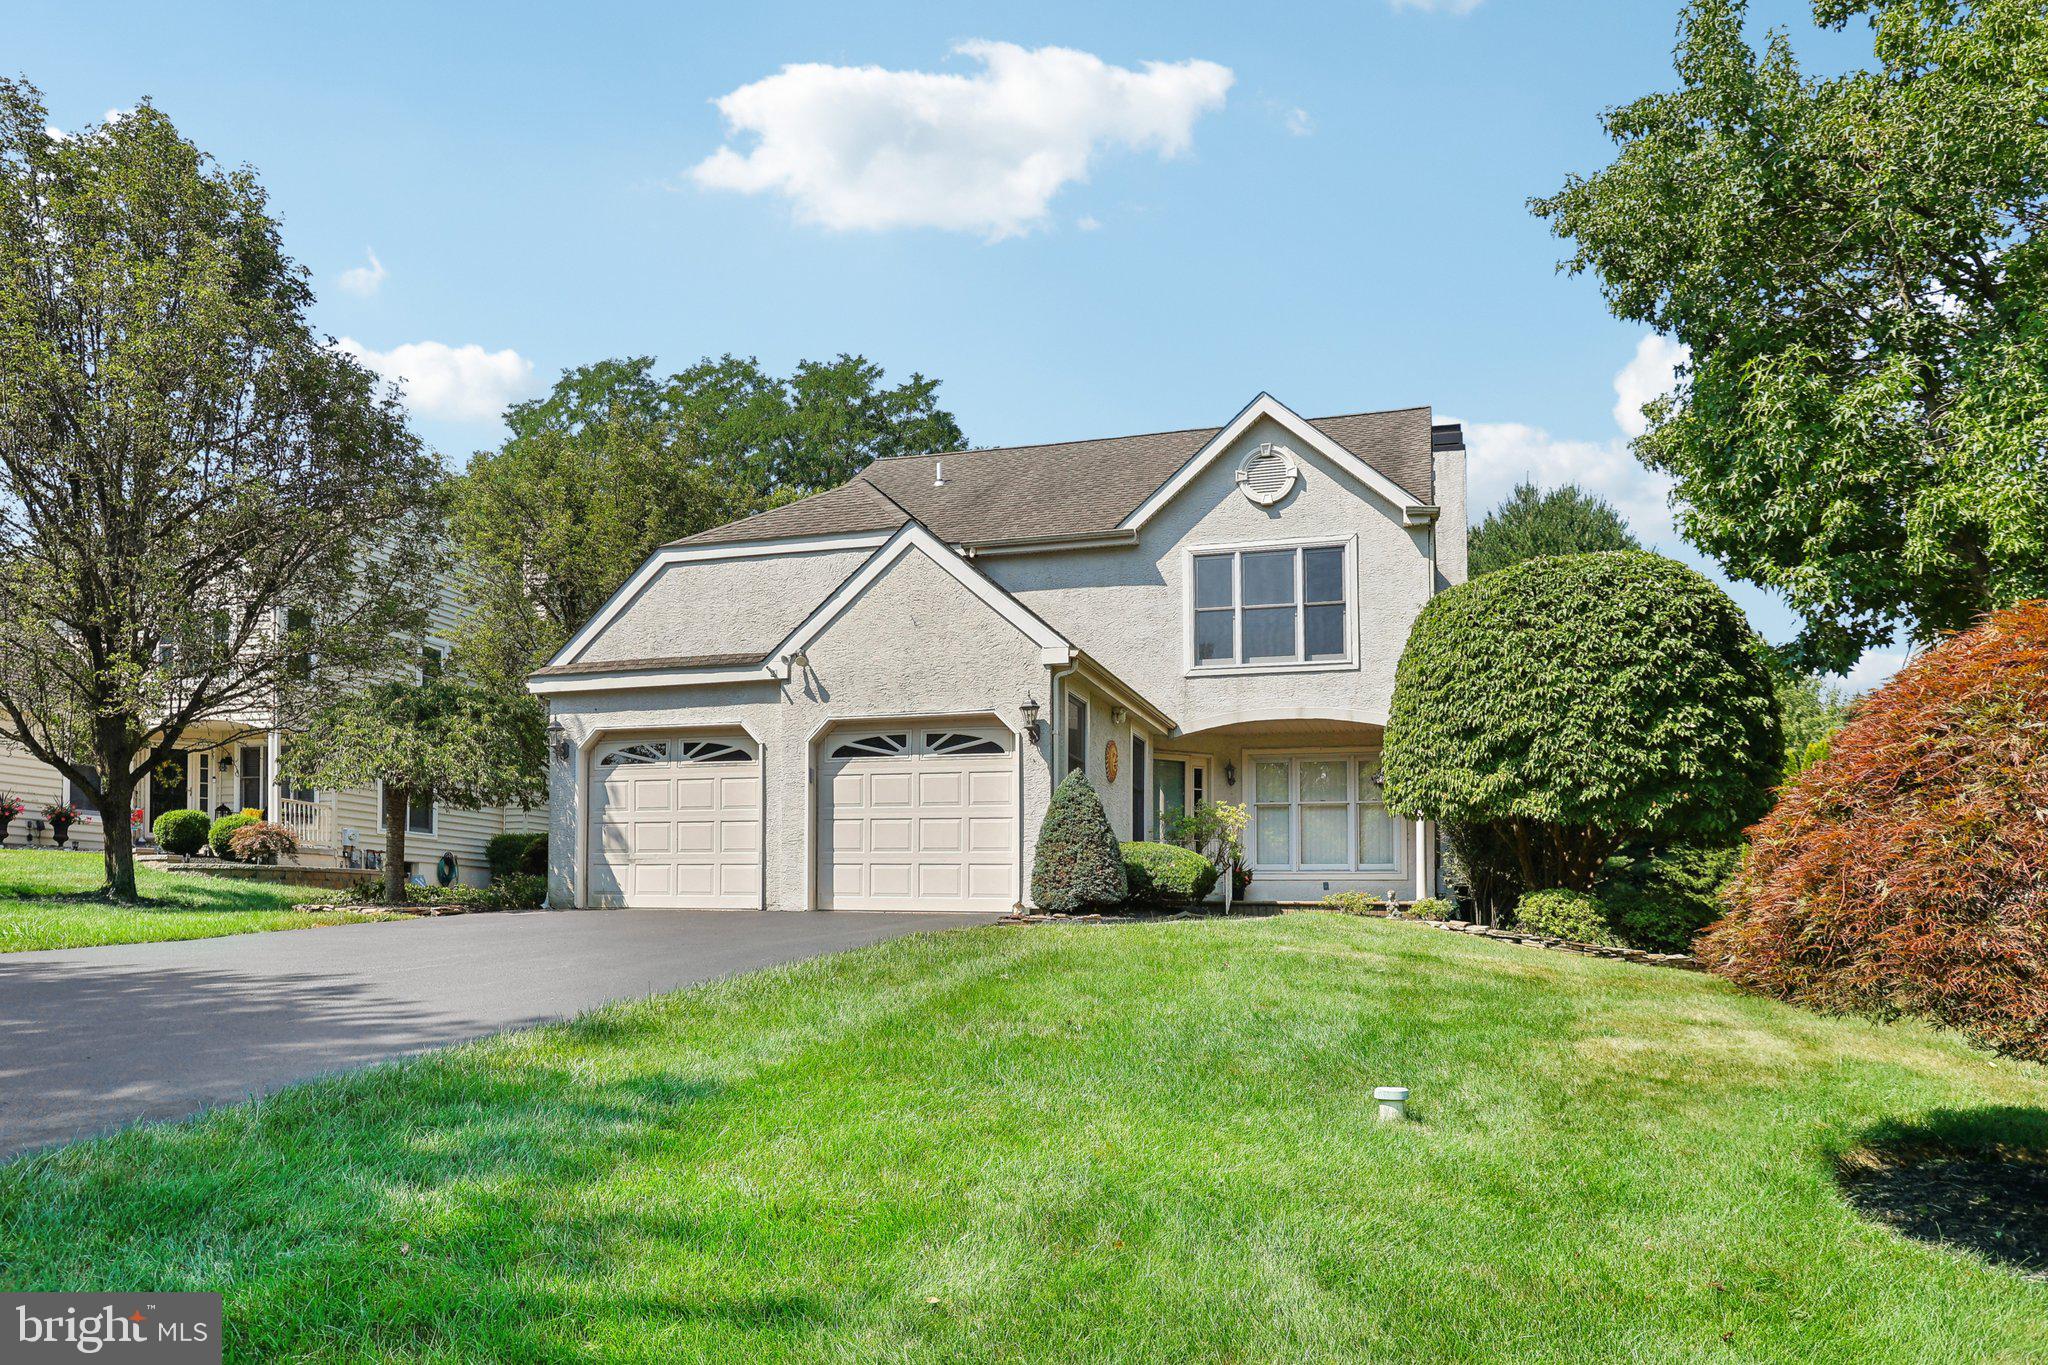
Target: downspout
x=1055, y=690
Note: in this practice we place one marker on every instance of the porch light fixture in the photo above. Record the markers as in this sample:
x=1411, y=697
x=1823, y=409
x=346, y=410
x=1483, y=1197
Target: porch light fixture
x=1230, y=774
x=1029, y=710
x=227, y=763
x=558, y=738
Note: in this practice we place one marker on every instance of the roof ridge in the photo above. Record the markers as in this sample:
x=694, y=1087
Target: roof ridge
x=1131, y=436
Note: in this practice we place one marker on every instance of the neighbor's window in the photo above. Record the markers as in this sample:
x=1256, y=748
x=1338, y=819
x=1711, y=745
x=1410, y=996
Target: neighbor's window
x=298, y=626
x=1279, y=606
x=78, y=796
x=1077, y=734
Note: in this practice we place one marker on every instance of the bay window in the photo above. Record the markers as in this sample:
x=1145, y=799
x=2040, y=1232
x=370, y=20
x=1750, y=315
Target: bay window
x=1321, y=813
x=1270, y=607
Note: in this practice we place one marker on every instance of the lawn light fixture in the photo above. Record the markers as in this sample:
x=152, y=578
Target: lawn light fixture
x=1393, y=1101
x=1029, y=711
x=558, y=738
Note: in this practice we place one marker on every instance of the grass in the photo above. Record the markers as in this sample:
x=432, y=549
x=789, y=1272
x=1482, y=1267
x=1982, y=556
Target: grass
x=49, y=900
x=1113, y=1143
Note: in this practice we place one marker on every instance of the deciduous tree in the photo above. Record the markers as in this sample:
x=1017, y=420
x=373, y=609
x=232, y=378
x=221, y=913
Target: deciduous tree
x=198, y=498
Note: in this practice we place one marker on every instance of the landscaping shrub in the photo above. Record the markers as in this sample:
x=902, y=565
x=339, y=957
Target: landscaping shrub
x=1167, y=874
x=517, y=892
x=1480, y=861
x=1430, y=907
x=261, y=842
x=1907, y=871
x=1660, y=899
x=181, y=831
x=1352, y=903
x=1576, y=704
x=224, y=829
x=507, y=854
x=534, y=861
x=1079, y=864
x=1566, y=914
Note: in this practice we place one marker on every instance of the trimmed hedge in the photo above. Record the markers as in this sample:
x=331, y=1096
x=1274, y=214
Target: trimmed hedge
x=1660, y=901
x=181, y=831
x=1565, y=914
x=1167, y=874
x=224, y=830
x=1079, y=864
x=504, y=853
x=1588, y=701
x=534, y=861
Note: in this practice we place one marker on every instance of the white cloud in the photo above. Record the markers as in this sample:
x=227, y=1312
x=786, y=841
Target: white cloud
x=1870, y=672
x=1649, y=374
x=1438, y=6
x=869, y=148
x=1500, y=455
x=364, y=279
x=458, y=383
x=1088, y=222
x=1299, y=122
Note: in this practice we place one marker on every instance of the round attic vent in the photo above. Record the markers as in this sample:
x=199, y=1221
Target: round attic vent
x=1268, y=474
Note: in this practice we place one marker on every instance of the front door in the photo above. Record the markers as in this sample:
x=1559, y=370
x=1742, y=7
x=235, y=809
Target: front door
x=1178, y=786
x=168, y=787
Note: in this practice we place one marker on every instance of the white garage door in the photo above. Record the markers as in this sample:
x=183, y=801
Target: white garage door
x=918, y=819
x=676, y=821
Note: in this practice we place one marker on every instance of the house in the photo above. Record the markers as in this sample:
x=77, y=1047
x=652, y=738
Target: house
x=229, y=763
x=863, y=700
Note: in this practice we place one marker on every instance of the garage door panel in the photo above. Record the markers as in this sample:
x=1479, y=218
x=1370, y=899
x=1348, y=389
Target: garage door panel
x=681, y=832
x=923, y=828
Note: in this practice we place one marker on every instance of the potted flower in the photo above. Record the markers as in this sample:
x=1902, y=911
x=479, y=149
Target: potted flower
x=61, y=815
x=10, y=806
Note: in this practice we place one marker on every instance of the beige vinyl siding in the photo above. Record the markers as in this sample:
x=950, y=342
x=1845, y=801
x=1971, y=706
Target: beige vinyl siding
x=37, y=784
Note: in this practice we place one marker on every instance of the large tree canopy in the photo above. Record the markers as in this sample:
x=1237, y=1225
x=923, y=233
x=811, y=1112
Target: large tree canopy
x=616, y=461
x=1856, y=265
x=1530, y=523
x=1566, y=707
x=189, y=478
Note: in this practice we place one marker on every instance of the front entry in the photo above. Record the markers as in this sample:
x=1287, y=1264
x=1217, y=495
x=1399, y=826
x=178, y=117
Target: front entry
x=676, y=821
x=918, y=817
x=168, y=787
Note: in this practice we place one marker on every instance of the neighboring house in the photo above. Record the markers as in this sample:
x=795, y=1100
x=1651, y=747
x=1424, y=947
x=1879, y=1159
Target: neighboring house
x=230, y=764
x=831, y=704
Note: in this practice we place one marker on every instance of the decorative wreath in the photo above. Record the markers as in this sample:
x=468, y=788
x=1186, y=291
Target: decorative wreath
x=444, y=870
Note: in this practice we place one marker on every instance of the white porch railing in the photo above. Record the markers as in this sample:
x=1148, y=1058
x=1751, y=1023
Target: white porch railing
x=312, y=821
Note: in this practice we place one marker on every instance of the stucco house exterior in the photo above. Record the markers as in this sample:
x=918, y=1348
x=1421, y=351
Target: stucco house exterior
x=863, y=700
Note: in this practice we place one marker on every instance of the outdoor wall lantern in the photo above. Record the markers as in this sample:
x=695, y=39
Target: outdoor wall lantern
x=558, y=738
x=1230, y=774
x=227, y=763
x=1029, y=710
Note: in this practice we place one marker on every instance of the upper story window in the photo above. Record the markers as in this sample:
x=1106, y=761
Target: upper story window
x=1271, y=607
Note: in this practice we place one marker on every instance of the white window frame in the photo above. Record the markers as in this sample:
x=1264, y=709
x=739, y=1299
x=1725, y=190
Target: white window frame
x=411, y=808
x=1076, y=710
x=1355, y=761
x=1194, y=788
x=1299, y=663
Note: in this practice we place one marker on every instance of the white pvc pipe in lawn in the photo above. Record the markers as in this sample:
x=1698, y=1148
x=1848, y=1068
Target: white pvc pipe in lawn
x=1393, y=1102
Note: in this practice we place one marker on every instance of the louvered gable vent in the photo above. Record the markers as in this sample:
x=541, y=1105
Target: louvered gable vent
x=1267, y=474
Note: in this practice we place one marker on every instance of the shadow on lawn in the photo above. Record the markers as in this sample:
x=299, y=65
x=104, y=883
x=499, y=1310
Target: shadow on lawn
x=1971, y=1180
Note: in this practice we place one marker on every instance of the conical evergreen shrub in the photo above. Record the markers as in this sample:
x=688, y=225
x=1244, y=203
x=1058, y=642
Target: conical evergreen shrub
x=1080, y=865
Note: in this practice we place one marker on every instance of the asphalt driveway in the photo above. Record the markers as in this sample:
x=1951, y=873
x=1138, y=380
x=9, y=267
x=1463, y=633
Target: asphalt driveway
x=96, y=1038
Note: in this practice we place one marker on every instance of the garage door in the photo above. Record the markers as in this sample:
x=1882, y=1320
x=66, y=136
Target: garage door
x=918, y=819
x=676, y=821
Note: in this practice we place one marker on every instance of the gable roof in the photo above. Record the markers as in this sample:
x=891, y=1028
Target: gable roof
x=1066, y=488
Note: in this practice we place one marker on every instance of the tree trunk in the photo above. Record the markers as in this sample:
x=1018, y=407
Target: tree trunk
x=397, y=803
x=117, y=798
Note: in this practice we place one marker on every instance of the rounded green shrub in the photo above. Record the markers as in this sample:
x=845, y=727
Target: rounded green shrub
x=1580, y=703
x=1431, y=907
x=1167, y=874
x=533, y=861
x=181, y=831
x=1565, y=914
x=1660, y=900
x=504, y=853
x=1079, y=864
x=224, y=829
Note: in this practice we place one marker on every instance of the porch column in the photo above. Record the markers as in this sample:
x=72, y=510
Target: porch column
x=276, y=783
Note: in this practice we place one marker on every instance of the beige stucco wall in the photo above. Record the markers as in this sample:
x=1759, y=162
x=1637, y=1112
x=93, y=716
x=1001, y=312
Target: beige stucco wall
x=915, y=643
x=721, y=606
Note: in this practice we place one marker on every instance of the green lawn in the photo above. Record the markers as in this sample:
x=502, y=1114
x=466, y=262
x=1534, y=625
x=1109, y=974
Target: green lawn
x=1114, y=1143
x=47, y=901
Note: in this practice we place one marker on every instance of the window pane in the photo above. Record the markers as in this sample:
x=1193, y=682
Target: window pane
x=1170, y=781
x=1271, y=848
x=1212, y=637
x=1325, y=842
x=1272, y=780
x=1325, y=779
x=1268, y=634
x=1269, y=578
x=419, y=815
x=1323, y=632
x=1376, y=837
x=1212, y=581
x=1322, y=576
x=1077, y=735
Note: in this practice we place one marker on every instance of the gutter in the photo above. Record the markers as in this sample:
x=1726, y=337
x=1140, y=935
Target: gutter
x=1027, y=545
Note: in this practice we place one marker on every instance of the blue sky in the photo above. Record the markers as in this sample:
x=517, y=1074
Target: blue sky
x=1326, y=201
